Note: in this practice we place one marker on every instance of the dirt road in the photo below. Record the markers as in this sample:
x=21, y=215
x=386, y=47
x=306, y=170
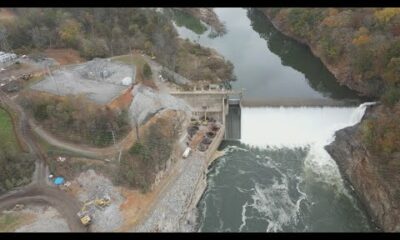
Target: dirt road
x=39, y=190
x=91, y=152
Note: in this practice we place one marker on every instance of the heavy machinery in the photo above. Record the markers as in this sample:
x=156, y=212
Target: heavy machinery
x=26, y=77
x=88, y=209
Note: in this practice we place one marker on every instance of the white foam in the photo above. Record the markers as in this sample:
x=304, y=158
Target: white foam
x=292, y=128
x=296, y=126
x=274, y=203
x=244, y=218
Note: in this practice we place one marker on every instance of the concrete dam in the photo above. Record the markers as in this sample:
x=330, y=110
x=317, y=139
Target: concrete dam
x=222, y=105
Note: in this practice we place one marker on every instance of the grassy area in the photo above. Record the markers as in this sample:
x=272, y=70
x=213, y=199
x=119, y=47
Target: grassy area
x=7, y=136
x=9, y=222
x=136, y=59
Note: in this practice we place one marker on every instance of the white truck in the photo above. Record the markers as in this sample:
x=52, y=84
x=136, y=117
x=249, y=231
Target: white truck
x=186, y=152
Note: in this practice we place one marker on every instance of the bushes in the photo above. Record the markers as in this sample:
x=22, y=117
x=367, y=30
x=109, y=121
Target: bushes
x=363, y=60
x=147, y=71
x=330, y=48
x=94, y=48
x=149, y=156
x=382, y=135
x=391, y=96
x=75, y=119
x=16, y=169
x=185, y=19
x=303, y=20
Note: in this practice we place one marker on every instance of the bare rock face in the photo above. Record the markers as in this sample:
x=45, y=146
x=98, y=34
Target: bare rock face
x=370, y=177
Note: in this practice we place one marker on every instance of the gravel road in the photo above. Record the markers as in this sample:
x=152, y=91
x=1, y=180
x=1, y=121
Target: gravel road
x=48, y=219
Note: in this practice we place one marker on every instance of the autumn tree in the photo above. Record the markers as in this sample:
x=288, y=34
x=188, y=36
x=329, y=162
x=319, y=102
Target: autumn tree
x=69, y=31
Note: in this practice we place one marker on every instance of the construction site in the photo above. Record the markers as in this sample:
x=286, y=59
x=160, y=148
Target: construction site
x=100, y=80
x=88, y=199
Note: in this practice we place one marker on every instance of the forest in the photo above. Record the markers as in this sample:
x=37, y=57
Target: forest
x=364, y=45
x=106, y=32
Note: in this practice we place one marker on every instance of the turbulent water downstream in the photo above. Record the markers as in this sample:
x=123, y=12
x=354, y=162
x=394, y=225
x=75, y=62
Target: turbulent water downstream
x=278, y=177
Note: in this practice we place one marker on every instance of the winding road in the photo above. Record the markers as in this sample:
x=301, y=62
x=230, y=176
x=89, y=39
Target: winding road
x=39, y=190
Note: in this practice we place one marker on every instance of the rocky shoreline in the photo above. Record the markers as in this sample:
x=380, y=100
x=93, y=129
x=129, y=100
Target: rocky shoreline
x=176, y=208
x=372, y=182
x=370, y=176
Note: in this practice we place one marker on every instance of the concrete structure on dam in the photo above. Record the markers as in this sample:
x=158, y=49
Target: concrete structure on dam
x=222, y=105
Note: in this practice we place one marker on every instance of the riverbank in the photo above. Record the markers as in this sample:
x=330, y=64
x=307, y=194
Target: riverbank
x=208, y=16
x=372, y=175
x=175, y=208
x=341, y=46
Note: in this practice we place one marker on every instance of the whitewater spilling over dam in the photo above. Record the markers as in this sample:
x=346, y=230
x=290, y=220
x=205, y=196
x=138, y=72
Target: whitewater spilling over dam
x=296, y=126
x=280, y=178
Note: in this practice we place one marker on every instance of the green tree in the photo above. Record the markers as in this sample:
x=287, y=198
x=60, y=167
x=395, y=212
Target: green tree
x=147, y=71
x=391, y=96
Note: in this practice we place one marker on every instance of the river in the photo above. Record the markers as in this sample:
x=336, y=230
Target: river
x=279, y=177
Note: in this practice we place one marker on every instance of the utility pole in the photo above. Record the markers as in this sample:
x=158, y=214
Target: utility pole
x=115, y=145
x=112, y=132
x=119, y=157
x=133, y=71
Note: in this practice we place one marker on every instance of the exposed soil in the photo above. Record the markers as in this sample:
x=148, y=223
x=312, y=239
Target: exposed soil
x=64, y=56
x=6, y=15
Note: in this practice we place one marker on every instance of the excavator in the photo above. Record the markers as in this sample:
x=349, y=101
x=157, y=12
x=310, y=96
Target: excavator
x=86, y=212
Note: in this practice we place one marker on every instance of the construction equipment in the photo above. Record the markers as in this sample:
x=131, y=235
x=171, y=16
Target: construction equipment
x=26, y=77
x=88, y=209
x=103, y=202
x=18, y=207
x=86, y=220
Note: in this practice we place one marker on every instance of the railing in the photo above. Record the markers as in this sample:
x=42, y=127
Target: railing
x=226, y=92
x=215, y=144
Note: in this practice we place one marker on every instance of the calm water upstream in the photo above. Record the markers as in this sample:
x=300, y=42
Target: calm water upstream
x=278, y=177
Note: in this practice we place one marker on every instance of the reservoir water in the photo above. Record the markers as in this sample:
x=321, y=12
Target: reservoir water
x=278, y=177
